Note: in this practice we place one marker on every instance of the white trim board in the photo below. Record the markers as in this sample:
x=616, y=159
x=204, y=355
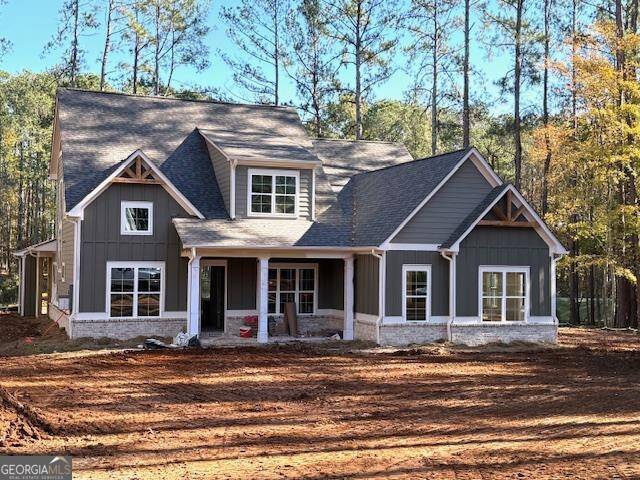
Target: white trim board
x=480, y=163
x=78, y=210
x=124, y=205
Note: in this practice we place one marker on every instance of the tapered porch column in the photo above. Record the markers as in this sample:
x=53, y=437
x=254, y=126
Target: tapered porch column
x=263, y=297
x=347, y=333
x=193, y=321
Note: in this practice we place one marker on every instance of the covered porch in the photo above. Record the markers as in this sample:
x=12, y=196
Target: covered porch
x=231, y=289
x=36, y=278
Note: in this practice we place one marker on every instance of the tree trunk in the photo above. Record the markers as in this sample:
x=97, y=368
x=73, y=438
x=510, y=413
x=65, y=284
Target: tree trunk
x=156, y=63
x=107, y=46
x=358, y=59
x=74, y=44
x=434, y=84
x=592, y=295
x=20, y=226
x=276, y=53
x=545, y=109
x=574, y=288
x=517, y=138
x=466, y=123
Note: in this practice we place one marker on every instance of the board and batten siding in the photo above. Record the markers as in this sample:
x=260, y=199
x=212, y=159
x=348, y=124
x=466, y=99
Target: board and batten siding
x=366, y=278
x=331, y=284
x=63, y=274
x=304, y=196
x=447, y=208
x=439, y=280
x=223, y=173
x=496, y=246
x=242, y=278
x=102, y=242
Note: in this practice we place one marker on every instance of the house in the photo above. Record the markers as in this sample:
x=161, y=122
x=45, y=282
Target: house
x=190, y=215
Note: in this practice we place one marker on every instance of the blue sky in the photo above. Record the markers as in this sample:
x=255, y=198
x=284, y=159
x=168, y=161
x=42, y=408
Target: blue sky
x=30, y=24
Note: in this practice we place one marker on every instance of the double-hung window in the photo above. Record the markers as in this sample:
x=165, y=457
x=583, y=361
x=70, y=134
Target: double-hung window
x=292, y=284
x=273, y=193
x=504, y=294
x=416, y=292
x=135, y=289
x=136, y=218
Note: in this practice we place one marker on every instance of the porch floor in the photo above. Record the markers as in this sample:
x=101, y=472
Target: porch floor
x=224, y=340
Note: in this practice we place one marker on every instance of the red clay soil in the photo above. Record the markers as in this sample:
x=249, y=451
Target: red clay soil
x=318, y=412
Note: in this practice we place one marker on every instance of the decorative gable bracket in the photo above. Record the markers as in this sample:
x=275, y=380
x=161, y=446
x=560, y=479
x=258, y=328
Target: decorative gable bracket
x=137, y=172
x=507, y=217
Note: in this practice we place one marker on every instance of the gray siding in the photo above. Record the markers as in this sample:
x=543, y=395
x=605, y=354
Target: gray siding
x=366, y=278
x=503, y=246
x=30, y=286
x=304, y=197
x=447, y=208
x=439, y=280
x=63, y=275
x=102, y=242
x=331, y=284
x=223, y=173
x=242, y=277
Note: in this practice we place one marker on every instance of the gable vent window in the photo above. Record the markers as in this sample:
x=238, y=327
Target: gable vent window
x=136, y=218
x=273, y=193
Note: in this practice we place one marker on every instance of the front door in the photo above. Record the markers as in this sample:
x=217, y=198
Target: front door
x=212, y=302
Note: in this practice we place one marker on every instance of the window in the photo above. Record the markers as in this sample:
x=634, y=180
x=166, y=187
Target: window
x=292, y=283
x=136, y=218
x=504, y=294
x=416, y=292
x=273, y=193
x=134, y=290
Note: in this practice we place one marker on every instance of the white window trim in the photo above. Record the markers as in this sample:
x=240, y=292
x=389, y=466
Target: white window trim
x=123, y=224
x=135, y=266
x=504, y=270
x=273, y=173
x=297, y=266
x=416, y=268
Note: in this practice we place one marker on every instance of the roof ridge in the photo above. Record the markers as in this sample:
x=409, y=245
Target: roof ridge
x=416, y=160
x=158, y=97
x=353, y=140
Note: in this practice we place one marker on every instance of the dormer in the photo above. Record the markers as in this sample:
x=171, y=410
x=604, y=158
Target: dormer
x=264, y=175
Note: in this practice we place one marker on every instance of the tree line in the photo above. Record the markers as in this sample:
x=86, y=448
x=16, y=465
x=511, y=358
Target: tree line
x=564, y=133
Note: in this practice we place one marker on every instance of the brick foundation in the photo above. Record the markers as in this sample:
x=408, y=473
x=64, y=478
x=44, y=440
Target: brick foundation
x=123, y=329
x=308, y=326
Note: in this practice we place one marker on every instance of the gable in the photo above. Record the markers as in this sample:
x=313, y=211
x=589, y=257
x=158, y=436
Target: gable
x=440, y=216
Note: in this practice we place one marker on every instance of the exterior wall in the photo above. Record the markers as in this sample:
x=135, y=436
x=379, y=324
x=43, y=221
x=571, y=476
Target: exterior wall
x=447, y=208
x=63, y=274
x=304, y=196
x=102, y=242
x=123, y=329
x=331, y=284
x=439, y=280
x=242, y=277
x=29, y=286
x=365, y=329
x=223, y=173
x=503, y=246
x=366, y=278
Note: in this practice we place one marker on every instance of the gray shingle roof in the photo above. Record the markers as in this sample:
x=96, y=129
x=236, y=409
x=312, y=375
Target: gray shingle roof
x=475, y=213
x=342, y=159
x=260, y=147
x=99, y=130
x=384, y=198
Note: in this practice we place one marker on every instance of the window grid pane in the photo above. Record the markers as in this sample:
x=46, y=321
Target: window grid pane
x=137, y=219
x=273, y=194
x=132, y=287
x=503, y=304
x=295, y=285
x=416, y=295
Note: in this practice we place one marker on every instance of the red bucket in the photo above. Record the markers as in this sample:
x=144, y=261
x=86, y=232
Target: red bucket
x=246, y=332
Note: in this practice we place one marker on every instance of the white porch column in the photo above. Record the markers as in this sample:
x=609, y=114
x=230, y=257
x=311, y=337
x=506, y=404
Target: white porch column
x=347, y=333
x=193, y=321
x=263, y=300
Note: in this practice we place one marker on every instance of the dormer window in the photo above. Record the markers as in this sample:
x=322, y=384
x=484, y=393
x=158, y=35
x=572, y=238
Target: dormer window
x=273, y=193
x=136, y=218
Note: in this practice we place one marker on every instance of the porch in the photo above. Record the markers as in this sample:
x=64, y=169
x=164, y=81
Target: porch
x=231, y=290
x=35, y=289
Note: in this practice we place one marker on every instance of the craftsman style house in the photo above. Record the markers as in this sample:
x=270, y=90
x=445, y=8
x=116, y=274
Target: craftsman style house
x=188, y=215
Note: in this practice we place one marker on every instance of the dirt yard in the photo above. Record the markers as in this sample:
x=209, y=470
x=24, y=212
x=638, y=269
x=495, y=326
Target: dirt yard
x=322, y=411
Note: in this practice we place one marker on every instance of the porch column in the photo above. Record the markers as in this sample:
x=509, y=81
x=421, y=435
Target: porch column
x=347, y=333
x=193, y=321
x=263, y=300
